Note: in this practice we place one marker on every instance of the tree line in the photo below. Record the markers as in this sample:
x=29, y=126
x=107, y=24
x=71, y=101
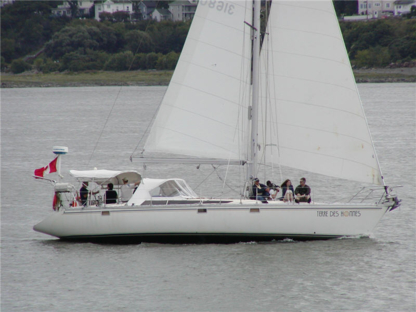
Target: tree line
x=381, y=42
x=27, y=28
x=85, y=44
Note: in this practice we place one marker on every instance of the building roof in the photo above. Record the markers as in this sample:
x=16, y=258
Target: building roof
x=86, y=4
x=118, y=1
x=149, y=4
x=182, y=2
x=405, y=2
x=163, y=12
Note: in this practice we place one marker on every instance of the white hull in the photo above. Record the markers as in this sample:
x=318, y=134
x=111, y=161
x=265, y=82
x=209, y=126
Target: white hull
x=232, y=222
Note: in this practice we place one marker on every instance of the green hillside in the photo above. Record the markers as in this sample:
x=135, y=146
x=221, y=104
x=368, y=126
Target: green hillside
x=33, y=39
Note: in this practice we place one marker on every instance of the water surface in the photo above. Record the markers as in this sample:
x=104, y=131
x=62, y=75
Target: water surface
x=102, y=127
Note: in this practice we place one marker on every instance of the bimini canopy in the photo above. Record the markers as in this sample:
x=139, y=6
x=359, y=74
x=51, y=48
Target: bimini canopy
x=106, y=176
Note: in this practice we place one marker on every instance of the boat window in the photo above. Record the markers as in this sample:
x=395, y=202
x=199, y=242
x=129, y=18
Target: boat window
x=155, y=192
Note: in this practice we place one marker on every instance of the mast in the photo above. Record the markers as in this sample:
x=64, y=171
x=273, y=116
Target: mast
x=255, y=90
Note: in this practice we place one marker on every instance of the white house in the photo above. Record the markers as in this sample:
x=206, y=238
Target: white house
x=111, y=7
x=403, y=6
x=183, y=10
x=146, y=9
x=376, y=8
x=4, y=2
x=64, y=9
x=161, y=15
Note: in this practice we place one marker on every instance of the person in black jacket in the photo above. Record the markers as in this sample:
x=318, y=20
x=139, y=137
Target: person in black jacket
x=303, y=192
x=84, y=192
x=110, y=194
x=260, y=191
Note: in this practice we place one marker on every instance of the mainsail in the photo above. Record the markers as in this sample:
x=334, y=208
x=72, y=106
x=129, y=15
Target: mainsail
x=311, y=113
x=204, y=111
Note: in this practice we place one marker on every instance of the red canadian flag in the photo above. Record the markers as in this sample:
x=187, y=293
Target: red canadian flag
x=52, y=168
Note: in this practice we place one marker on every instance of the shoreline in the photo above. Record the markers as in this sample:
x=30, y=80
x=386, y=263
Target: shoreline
x=385, y=75
x=86, y=79
x=162, y=78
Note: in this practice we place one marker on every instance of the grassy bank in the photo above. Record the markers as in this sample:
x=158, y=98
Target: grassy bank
x=385, y=75
x=162, y=78
x=98, y=78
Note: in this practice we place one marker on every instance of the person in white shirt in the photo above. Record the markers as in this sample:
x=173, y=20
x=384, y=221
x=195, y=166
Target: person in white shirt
x=126, y=190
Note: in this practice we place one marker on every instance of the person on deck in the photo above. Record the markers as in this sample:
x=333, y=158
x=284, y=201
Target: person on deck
x=110, y=194
x=287, y=191
x=83, y=193
x=303, y=192
x=126, y=190
x=274, y=189
x=260, y=191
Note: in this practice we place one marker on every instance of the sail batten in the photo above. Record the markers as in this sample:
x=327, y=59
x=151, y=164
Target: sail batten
x=316, y=105
x=204, y=117
x=202, y=91
x=210, y=69
x=329, y=132
x=217, y=47
x=312, y=57
x=315, y=81
x=285, y=29
x=183, y=151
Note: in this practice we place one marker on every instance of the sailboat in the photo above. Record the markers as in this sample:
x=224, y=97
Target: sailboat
x=242, y=96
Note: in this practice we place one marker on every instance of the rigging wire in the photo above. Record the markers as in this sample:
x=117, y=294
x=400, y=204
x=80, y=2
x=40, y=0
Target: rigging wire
x=226, y=173
x=105, y=124
x=221, y=179
x=269, y=105
x=118, y=94
x=276, y=127
x=240, y=124
x=154, y=115
x=263, y=107
x=204, y=180
x=148, y=127
x=244, y=89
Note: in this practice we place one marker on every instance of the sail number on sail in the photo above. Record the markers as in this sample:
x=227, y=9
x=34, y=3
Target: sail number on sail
x=219, y=5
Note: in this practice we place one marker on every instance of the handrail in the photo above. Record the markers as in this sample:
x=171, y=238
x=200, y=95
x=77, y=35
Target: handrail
x=371, y=192
x=356, y=194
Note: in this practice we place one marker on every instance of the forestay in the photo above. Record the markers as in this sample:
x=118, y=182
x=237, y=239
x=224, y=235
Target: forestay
x=204, y=111
x=313, y=118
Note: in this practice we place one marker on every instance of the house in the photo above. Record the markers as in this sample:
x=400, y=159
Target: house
x=183, y=10
x=161, y=15
x=113, y=6
x=4, y=2
x=146, y=9
x=64, y=9
x=376, y=8
x=403, y=6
